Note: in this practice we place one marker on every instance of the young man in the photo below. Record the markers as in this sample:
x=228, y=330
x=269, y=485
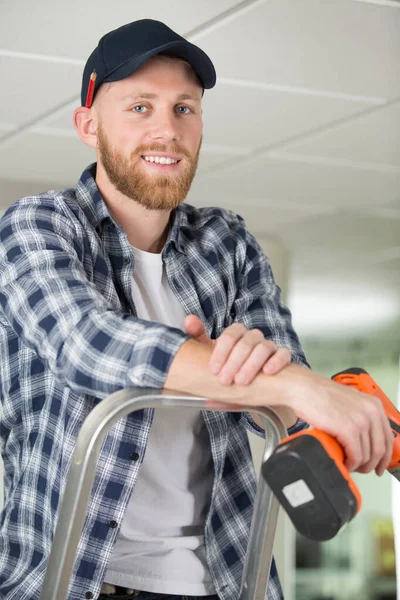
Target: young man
x=116, y=284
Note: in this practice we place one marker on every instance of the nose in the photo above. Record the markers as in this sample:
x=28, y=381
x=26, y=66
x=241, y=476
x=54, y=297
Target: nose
x=164, y=127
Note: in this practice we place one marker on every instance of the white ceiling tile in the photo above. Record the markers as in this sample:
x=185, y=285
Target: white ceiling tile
x=63, y=120
x=372, y=138
x=31, y=89
x=12, y=190
x=259, y=220
x=36, y=157
x=297, y=182
x=333, y=45
x=7, y=127
x=362, y=240
x=392, y=3
x=210, y=158
x=395, y=204
x=72, y=29
x=267, y=221
x=258, y=118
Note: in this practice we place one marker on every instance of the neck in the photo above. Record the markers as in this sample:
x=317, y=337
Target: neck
x=145, y=229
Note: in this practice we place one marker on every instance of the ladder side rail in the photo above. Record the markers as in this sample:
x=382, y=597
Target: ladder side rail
x=82, y=473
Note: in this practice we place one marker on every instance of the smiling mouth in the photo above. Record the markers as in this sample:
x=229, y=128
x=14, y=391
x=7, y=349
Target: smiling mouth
x=160, y=160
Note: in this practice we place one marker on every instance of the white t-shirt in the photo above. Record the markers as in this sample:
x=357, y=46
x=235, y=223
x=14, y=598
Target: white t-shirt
x=160, y=546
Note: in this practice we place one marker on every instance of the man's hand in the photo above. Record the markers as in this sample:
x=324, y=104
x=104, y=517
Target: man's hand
x=239, y=354
x=357, y=420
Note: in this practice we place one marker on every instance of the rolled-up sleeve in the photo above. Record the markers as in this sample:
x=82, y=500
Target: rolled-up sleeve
x=55, y=309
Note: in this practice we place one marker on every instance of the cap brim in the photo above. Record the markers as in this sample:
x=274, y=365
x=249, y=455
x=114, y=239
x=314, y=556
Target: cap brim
x=198, y=60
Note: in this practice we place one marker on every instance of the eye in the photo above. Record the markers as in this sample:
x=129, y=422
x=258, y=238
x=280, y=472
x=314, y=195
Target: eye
x=140, y=108
x=184, y=110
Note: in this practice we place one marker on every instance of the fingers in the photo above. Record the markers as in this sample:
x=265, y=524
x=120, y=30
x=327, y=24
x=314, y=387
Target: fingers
x=366, y=444
x=280, y=359
x=233, y=347
x=381, y=440
x=245, y=368
x=358, y=451
x=224, y=346
x=353, y=452
x=389, y=442
x=375, y=441
x=239, y=355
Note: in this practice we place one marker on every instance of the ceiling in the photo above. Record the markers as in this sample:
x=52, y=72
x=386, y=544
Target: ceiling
x=302, y=132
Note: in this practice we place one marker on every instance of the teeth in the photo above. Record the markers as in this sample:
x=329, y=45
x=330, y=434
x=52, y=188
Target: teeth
x=161, y=160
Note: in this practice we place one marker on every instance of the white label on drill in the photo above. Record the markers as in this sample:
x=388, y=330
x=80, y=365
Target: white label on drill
x=298, y=493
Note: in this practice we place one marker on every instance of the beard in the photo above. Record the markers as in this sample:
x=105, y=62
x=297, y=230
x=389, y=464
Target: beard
x=154, y=192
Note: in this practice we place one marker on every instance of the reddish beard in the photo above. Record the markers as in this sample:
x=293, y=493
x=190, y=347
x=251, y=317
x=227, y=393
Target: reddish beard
x=154, y=192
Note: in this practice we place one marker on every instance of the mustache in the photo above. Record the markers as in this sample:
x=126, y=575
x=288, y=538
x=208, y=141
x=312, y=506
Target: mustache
x=174, y=149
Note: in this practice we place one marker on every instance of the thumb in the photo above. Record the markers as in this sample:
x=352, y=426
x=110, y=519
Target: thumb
x=194, y=327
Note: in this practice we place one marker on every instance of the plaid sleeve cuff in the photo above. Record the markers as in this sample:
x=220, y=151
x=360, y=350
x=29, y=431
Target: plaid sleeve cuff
x=254, y=428
x=298, y=426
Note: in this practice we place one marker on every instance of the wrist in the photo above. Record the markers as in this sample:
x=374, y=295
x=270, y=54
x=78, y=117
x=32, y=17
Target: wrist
x=289, y=388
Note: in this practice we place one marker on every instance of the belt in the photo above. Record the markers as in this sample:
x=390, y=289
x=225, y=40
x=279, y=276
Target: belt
x=116, y=590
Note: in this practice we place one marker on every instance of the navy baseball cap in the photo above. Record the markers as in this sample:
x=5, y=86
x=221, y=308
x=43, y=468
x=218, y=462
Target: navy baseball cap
x=122, y=51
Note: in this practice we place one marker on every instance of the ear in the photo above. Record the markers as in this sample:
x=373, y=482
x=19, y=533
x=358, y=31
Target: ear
x=85, y=124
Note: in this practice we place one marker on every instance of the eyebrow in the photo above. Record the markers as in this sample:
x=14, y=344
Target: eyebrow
x=152, y=96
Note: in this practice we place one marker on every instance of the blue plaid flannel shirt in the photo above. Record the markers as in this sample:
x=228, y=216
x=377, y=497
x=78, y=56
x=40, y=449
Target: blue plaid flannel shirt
x=69, y=337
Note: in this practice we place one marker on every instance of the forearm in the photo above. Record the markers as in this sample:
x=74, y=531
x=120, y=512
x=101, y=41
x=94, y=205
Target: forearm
x=190, y=373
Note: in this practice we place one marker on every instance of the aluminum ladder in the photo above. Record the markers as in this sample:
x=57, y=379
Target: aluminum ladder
x=82, y=473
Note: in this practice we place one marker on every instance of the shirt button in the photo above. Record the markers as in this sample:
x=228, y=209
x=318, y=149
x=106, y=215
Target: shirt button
x=127, y=260
x=134, y=456
x=113, y=524
x=89, y=595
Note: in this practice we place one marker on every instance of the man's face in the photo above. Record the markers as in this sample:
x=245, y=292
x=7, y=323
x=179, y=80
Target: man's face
x=149, y=133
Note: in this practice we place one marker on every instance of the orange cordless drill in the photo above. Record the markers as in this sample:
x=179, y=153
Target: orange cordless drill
x=306, y=472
